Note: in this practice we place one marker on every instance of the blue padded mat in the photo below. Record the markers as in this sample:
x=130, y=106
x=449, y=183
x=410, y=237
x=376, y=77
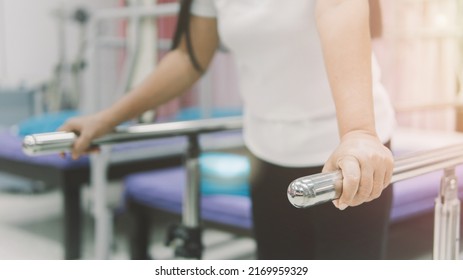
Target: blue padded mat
x=223, y=173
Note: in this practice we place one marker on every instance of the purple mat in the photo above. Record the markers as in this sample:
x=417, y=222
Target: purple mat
x=163, y=189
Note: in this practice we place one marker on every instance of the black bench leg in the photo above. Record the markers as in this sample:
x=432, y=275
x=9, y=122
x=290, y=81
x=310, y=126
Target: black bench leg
x=139, y=230
x=72, y=222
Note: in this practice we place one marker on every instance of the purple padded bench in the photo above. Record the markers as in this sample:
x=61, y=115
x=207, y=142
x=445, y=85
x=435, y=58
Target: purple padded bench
x=163, y=190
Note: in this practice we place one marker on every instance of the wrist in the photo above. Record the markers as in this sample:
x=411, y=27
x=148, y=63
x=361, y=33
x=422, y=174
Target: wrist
x=107, y=118
x=360, y=132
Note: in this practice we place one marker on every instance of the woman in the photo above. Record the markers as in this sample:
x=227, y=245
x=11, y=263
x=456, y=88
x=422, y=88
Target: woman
x=310, y=99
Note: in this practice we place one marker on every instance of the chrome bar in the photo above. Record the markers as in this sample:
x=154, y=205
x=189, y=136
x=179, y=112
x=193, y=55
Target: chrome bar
x=306, y=191
x=55, y=142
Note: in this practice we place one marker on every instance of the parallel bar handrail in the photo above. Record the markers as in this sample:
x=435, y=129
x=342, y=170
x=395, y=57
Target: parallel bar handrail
x=55, y=142
x=320, y=188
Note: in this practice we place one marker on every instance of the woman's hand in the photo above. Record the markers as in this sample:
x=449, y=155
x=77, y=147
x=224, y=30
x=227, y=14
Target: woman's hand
x=87, y=128
x=366, y=165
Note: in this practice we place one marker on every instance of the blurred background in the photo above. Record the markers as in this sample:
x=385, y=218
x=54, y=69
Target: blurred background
x=62, y=58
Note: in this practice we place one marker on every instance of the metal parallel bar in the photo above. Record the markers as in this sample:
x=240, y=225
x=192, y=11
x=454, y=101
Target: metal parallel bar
x=56, y=142
x=320, y=188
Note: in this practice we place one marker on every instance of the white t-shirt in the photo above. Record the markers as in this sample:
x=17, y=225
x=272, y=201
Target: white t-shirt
x=289, y=114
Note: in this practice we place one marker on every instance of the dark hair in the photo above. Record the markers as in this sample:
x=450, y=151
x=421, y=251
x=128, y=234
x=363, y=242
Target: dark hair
x=183, y=28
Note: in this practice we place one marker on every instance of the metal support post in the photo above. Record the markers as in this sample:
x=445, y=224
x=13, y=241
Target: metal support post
x=101, y=213
x=187, y=236
x=447, y=219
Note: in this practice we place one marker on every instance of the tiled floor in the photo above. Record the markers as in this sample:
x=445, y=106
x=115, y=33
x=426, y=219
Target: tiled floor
x=31, y=227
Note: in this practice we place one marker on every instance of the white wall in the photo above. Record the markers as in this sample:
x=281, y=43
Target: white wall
x=29, y=41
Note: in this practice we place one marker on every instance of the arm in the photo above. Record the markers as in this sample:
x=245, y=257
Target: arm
x=376, y=19
x=365, y=163
x=173, y=76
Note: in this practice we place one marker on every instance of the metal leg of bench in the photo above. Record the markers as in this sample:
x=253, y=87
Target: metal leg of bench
x=447, y=219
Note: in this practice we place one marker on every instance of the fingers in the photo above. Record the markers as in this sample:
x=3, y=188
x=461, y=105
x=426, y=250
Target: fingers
x=361, y=183
x=83, y=140
x=351, y=172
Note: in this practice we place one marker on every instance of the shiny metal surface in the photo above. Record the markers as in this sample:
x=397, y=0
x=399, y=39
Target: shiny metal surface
x=191, y=199
x=320, y=188
x=447, y=219
x=56, y=142
x=48, y=143
x=315, y=189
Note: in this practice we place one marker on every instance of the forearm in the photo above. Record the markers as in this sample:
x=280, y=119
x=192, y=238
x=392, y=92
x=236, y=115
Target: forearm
x=345, y=37
x=172, y=77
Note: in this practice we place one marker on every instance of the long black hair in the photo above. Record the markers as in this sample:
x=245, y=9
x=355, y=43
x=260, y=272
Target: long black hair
x=183, y=28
